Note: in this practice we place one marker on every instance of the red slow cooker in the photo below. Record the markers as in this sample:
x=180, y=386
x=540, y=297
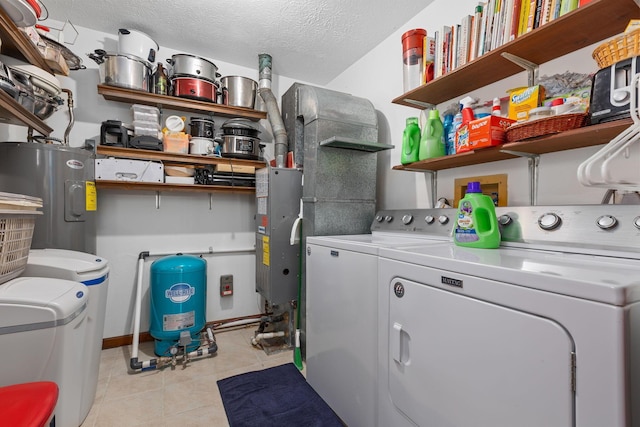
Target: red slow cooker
x=193, y=88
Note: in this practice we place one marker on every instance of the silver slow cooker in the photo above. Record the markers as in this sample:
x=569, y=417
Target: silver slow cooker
x=240, y=139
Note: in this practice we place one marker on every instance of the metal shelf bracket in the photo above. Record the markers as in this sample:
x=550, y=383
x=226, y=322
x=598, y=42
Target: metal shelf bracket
x=534, y=163
x=424, y=105
x=532, y=69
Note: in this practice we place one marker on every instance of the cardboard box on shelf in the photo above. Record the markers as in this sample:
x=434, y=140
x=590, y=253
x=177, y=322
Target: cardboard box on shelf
x=485, y=132
x=523, y=99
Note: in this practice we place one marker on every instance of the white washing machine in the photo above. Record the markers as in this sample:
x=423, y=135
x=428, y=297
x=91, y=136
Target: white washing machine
x=342, y=307
x=42, y=336
x=544, y=331
x=93, y=272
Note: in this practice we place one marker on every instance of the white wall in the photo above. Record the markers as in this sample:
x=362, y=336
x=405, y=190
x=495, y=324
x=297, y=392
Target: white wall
x=128, y=221
x=378, y=77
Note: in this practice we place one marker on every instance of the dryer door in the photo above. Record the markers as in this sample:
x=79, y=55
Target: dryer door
x=459, y=361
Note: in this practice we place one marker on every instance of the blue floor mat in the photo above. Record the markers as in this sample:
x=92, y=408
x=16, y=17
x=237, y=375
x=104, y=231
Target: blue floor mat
x=273, y=397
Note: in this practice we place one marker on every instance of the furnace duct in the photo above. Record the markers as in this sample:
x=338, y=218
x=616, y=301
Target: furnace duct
x=273, y=114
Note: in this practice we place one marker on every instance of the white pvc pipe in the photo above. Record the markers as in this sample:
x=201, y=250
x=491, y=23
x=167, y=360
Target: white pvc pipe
x=208, y=251
x=136, y=317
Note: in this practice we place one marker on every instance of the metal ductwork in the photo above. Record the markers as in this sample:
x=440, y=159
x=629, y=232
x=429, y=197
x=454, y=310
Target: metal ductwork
x=334, y=138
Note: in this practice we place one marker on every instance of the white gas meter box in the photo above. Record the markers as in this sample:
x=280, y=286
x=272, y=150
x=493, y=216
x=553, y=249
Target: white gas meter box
x=129, y=170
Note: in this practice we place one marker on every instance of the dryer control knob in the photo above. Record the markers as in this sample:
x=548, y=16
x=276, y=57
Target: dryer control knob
x=388, y=218
x=636, y=222
x=429, y=219
x=607, y=222
x=406, y=219
x=549, y=221
x=379, y=218
x=505, y=220
x=443, y=219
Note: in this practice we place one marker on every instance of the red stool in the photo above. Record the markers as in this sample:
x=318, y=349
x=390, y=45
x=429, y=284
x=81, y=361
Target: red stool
x=28, y=404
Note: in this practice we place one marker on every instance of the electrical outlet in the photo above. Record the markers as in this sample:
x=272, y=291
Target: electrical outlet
x=226, y=285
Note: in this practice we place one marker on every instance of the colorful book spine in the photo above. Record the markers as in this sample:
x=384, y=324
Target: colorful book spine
x=515, y=20
x=524, y=14
x=567, y=6
x=475, y=33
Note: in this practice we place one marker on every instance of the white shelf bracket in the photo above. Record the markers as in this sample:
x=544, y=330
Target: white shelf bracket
x=210, y=201
x=157, y=200
x=532, y=69
x=534, y=163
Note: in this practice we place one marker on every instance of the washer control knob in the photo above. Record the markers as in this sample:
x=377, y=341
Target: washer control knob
x=379, y=218
x=406, y=219
x=636, y=222
x=429, y=219
x=549, y=221
x=607, y=222
x=504, y=220
x=443, y=219
x=388, y=218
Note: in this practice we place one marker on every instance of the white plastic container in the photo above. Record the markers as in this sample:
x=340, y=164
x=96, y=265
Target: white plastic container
x=42, y=337
x=93, y=272
x=144, y=113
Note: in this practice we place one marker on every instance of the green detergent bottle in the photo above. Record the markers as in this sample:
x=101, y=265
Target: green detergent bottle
x=432, y=140
x=476, y=224
x=410, y=141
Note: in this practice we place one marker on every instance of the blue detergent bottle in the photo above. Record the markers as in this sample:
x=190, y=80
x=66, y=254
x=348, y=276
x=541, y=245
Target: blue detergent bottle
x=476, y=223
x=449, y=136
x=410, y=141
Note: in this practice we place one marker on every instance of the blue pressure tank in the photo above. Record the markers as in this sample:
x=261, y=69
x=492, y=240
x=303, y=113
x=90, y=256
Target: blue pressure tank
x=178, y=301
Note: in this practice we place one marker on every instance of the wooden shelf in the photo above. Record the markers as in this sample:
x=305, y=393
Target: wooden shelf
x=15, y=43
x=190, y=159
x=131, y=96
x=586, y=25
x=193, y=188
x=568, y=140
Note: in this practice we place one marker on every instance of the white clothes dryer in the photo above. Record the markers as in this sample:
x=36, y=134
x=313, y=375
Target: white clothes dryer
x=544, y=331
x=42, y=337
x=342, y=307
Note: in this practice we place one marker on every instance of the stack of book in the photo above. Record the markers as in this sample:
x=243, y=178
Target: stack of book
x=494, y=23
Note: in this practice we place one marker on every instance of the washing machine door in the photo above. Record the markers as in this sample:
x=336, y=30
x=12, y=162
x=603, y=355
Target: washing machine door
x=459, y=361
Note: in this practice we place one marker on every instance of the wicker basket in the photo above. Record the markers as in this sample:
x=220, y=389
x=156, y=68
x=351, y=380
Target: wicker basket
x=17, y=222
x=546, y=126
x=16, y=232
x=621, y=47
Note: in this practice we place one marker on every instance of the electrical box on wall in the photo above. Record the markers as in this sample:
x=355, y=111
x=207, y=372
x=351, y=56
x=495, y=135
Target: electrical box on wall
x=226, y=285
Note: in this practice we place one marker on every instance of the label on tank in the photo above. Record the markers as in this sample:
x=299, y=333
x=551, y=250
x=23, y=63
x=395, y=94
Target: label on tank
x=180, y=292
x=91, y=196
x=177, y=322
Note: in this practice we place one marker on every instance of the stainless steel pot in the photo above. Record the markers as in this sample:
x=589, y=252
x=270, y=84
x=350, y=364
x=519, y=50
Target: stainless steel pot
x=124, y=71
x=239, y=91
x=44, y=107
x=193, y=66
x=243, y=147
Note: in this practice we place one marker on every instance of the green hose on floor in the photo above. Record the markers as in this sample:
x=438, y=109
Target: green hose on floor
x=297, y=354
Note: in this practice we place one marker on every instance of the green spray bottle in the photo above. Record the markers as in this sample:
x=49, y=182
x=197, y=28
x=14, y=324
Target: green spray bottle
x=410, y=141
x=476, y=223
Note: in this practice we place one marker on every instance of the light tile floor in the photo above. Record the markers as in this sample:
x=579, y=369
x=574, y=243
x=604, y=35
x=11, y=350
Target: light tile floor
x=186, y=396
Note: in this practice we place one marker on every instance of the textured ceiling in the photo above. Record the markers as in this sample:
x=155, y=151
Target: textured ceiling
x=311, y=40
